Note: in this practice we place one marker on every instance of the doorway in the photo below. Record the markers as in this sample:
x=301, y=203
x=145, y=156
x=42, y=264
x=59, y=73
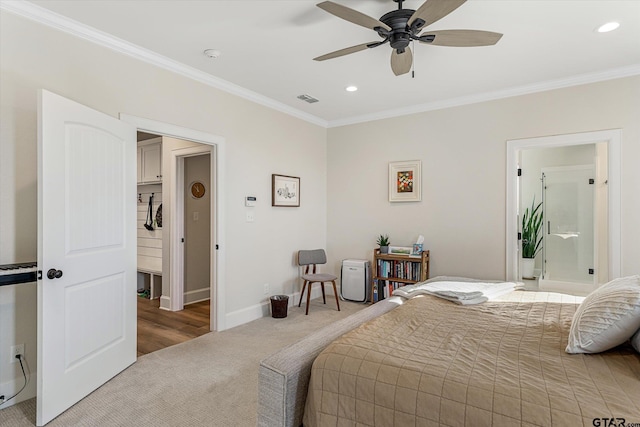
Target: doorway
x=196, y=205
x=158, y=325
x=171, y=227
x=607, y=205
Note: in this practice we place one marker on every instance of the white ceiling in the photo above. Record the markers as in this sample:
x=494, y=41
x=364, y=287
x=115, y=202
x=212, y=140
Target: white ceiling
x=267, y=48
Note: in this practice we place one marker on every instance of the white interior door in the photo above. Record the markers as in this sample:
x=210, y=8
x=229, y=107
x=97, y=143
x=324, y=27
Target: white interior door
x=87, y=244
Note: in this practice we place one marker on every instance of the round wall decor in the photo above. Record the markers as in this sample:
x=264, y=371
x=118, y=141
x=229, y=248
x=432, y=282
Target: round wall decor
x=197, y=189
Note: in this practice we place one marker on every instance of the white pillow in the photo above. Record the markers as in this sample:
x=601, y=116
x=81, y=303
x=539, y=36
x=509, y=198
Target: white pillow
x=635, y=341
x=607, y=317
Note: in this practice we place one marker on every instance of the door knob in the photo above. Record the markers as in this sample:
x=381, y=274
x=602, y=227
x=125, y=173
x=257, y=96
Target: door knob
x=54, y=274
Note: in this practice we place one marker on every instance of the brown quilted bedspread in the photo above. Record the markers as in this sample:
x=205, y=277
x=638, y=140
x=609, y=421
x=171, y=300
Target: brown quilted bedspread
x=430, y=362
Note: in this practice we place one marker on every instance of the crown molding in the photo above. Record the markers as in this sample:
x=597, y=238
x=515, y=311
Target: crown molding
x=615, y=73
x=44, y=16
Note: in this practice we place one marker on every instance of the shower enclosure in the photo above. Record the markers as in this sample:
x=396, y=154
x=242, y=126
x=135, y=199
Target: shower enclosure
x=569, y=258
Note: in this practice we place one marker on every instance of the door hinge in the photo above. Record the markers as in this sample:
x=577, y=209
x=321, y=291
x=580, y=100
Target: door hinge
x=182, y=240
x=592, y=181
x=519, y=172
x=591, y=271
x=217, y=247
x=39, y=275
x=519, y=236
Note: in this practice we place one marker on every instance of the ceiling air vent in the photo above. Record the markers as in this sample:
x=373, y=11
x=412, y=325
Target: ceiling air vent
x=308, y=98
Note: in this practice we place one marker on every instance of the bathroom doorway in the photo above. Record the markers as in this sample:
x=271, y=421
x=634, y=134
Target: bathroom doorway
x=588, y=213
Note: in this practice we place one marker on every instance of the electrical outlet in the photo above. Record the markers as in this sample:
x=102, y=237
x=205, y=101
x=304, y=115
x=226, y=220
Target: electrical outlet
x=15, y=350
x=266, y=288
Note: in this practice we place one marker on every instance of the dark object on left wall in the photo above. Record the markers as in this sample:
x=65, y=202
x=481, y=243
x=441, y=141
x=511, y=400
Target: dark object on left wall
x=159, y=216
x=148, y=224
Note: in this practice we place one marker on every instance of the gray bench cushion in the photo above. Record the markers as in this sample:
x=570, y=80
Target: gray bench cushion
x=283, y=377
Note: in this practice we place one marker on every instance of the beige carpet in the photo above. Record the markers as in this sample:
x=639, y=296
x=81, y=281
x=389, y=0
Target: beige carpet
x=209, y=381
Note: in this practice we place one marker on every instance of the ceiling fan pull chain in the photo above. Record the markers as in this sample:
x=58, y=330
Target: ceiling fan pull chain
x=413, y=64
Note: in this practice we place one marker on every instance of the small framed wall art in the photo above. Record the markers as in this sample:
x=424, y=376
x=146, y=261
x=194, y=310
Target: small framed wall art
x=285, y=190
x=405, y=180
x=399, y=250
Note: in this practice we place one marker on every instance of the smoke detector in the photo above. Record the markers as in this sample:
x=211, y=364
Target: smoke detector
x=212, y=53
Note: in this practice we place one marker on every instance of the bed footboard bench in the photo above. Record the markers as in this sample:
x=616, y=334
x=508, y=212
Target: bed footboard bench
x=283, y=377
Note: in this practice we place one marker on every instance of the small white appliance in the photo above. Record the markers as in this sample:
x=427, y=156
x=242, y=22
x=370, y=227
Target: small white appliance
x=355, y=279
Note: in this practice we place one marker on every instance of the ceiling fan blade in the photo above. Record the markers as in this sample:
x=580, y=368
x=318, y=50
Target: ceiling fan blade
x=346, y=51
x=434, y=10
x=462, y=38
x=351, y=15
x=401, y=62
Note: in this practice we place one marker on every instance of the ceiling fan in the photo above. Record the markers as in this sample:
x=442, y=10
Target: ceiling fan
x=400, y=27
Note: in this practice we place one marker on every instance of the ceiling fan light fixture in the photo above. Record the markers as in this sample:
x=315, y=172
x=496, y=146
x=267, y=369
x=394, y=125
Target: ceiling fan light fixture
x=609, y=26
x=401, y=27
x=351, y=88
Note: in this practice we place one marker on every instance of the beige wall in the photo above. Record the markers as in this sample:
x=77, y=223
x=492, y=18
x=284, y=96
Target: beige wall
x=463, y=153
x=259, y=141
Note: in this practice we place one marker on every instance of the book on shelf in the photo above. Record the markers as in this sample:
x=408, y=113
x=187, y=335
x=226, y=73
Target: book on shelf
x=399, y=269
x=383, y=289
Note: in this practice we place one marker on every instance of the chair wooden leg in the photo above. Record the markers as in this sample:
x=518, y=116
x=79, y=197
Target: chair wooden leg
x=308, y=297
x=324, y=298
x=304, y=285
x=335, y=292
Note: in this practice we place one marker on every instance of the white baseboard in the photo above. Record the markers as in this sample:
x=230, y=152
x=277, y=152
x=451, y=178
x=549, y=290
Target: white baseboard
x=9, y=388
x=197, y=295
x=246, y=315
x=165, y=303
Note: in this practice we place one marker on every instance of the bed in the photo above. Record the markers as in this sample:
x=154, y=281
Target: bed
x=432, y=362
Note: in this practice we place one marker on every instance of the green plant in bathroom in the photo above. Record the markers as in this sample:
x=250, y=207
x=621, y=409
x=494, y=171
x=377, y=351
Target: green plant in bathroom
x=531, y=228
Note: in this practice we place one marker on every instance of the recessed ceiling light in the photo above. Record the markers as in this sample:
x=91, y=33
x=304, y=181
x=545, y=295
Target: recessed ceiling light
x=351, y=88
x=212, y=53
x=609, y=26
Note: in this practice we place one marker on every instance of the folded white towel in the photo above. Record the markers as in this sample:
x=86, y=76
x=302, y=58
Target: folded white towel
x=464, y=293
x=459, y=295
x=400, y=292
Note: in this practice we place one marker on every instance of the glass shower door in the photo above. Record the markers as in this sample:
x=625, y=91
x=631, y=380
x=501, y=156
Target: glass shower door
x=568, y=212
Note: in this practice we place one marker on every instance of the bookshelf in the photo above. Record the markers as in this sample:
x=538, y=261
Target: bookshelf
x=393, y=271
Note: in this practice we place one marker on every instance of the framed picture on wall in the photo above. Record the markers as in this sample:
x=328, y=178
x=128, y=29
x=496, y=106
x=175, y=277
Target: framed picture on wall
x=405, y=180
x=285, y=190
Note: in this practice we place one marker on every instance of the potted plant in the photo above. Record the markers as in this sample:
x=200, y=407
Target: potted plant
x=531, y=238
x=383, y=242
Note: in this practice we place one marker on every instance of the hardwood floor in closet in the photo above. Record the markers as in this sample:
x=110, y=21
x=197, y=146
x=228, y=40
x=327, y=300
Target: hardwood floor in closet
x=158, y=329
